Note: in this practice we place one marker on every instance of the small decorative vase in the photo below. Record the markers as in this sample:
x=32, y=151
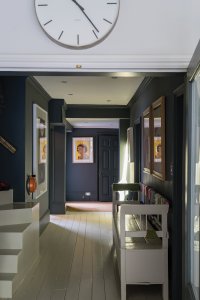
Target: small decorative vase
x=31, y=184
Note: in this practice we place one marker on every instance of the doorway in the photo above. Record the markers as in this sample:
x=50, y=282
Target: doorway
x=108, y=165
x=92, y=181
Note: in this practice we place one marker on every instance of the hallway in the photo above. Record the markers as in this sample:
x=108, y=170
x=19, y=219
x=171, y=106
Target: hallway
x=76, y=262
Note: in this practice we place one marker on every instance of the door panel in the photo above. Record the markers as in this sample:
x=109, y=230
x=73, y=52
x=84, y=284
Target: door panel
x=108, y=165
x=105, y=186
x=116, y=160
x=105, y=159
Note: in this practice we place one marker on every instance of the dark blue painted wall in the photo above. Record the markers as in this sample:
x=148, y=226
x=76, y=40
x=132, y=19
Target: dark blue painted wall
x=157, y=87
x=163, y=86
x=19, y=93
x=12, y=127
x=81, y=178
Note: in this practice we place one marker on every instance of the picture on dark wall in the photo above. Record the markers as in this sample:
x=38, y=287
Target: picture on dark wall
x=40, y=144
x=43, y=150
x=82, y=150
x=157, y=149
x=158, y=122
x=153, y=139
x=147, y=140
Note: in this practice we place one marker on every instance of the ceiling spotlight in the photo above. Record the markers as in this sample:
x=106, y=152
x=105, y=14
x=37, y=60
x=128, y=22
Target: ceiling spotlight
x=108, y=100
x=70, y=94
x=64, y=81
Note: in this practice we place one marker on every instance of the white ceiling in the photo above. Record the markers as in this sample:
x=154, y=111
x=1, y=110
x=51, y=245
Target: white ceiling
x=91, y=90
x=94, y=90
x=93, y=123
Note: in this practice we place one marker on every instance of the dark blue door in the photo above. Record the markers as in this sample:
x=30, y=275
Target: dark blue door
x=108, y=165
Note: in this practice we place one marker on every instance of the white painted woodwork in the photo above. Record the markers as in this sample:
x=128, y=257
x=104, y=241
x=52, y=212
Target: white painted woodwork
x=140, y=261
x=9, y=261
x=6, y=197
x=16, y=213
x=77, y=262
x=149, y=35
x=6, y=285
x=11, y=236
x=19, y=245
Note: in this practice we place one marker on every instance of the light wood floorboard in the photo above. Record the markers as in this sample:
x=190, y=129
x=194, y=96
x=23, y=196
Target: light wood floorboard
x=77, y=262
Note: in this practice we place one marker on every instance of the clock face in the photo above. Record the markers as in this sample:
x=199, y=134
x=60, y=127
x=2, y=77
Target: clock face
x=77, y=23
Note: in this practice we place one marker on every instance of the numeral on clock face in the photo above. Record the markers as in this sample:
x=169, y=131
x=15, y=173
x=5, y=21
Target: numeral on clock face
x=60, y=35
x=95, y=34
x=107, y=21
x=47, y=22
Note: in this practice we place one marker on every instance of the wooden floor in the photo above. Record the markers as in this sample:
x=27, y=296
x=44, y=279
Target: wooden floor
x=88, y=206
x=76, y=262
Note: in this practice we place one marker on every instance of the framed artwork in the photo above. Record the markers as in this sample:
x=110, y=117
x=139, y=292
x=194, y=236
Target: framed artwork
x=146, y=147
x=40, y=146
x=82, y=150
x=158, y=138
x=153, y=138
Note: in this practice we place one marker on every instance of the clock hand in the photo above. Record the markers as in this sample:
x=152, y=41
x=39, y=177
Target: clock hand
x=90, y=21
x=82, y=9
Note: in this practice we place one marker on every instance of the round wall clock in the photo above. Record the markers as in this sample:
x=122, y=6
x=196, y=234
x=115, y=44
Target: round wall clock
x=77, y=23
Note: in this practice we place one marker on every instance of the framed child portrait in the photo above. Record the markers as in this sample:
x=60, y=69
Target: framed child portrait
x=82, y=150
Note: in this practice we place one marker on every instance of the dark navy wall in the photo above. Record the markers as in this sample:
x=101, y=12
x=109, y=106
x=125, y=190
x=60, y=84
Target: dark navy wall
x=12, y=127
x=16, y=123
x=81, y=178
x=164, y=86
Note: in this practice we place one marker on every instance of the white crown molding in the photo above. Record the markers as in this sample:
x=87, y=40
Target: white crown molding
x=93, y=63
